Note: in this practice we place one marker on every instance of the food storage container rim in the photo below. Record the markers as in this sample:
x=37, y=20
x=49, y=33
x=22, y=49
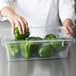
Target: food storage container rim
x=38, y=41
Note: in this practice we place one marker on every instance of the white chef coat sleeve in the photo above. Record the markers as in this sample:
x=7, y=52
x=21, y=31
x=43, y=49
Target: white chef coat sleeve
x=5, y=3
x=66, y=9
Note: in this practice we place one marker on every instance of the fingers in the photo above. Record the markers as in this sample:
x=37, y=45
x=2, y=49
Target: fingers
x=67, y=31
x=21, y=23
x=71, y=30
x=67, y=27
x=26, y=24
x=18, y=21
x=17, y=24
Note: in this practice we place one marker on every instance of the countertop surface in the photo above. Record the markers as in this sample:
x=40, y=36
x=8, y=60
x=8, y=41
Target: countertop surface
x=59, y=67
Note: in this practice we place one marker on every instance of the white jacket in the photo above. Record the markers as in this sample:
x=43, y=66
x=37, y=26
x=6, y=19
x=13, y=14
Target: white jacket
x=42, y=12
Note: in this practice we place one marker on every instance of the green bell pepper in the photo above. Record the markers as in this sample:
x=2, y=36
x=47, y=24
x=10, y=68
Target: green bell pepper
x=19, y=36
x=13, y=49
x=25, y=49
x=59, y=46
x=45, y=50
x=35, y=46
x=50, y=36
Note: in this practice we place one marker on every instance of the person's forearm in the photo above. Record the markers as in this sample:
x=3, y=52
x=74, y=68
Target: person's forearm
x=6, y=11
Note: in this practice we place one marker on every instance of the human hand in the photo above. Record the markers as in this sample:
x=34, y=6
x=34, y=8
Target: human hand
x=67, y=28
x=15, y=20
x=18, y=21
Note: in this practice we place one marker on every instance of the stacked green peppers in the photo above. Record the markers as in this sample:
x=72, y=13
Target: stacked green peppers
x=29, y=49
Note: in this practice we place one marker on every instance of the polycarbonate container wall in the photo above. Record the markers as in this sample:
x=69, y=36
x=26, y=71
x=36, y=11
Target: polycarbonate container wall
x=55, y=48
x=34, y=31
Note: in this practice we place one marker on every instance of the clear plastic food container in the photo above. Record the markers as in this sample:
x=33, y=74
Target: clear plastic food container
x=42, y=43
